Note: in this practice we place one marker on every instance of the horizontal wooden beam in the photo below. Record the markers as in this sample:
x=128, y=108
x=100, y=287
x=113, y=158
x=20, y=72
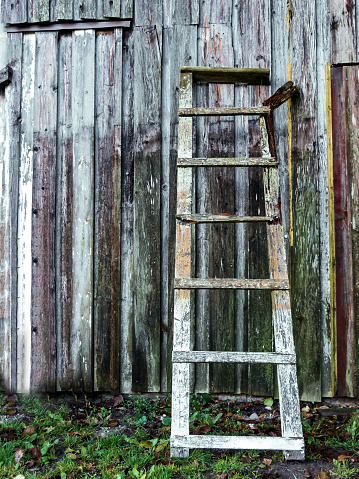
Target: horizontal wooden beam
x=232, y=357
x=189, y=162
x=5, y=76
x=251, y=76
x=196, y=218
x=55, y=27
x=230, y=283
x=225, y=111
x=239, y=442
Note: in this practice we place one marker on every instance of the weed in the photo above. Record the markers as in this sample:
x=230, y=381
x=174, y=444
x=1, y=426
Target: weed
x=344, y=470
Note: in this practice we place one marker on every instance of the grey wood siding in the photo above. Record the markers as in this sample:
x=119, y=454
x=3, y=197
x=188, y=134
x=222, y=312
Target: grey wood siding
x=88, y=130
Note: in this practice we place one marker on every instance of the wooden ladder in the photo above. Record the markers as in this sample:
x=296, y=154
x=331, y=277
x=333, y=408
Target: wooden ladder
x=284, y=356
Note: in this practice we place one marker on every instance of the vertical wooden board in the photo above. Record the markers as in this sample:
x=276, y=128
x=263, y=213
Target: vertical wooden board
x=38, y=11
x=253, y=51
x=14, y=12
x=83, y=82
x=215, y=12
x=305, y=272
x=342, y=117
x=353, y=188
x=43, y=340
x=185, y=13
x=107, y=249
x=9, y=177
x=215, y=194
x=61, y=10
x=64, y=214
x=111, y=9
x=25, y=214
x=85, y=9
x=147, y=178
x=127, y=217
x=127, y=8
x=147, y=13
x=343, y=31
x=179, y=48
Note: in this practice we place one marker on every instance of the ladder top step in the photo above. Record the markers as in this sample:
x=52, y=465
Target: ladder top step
x=208, y=218
x=188, y=162
x=232, y=357
x=225, y=111
x=230, y=283
x=251, y=76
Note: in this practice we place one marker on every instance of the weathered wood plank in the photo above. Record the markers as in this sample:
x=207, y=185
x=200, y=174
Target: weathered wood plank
x=83, y=82
x=148, y=13
x=5, y=76
x=215, y=12
x=252, y=76
x=231, y=357
x=183, y=268
x=343, y=236
x=229, y=283
x=111, y=8
x=305, y=273
x=61, y=10
x=184, y=13
x=38, y=11
x=24, y=332
x=64, y=215
x=14, y=12
x=343, y=34
x=240, y=442
x=224, y=111
x=9, y=186
x=107, y=250
x=226, y=162
x=43, y=340
x=84, y=9
x=207, y=218
x=127, y=217
x=353, y=189
x=127, y=8
x=179, y=48
x=215, y=194
x=147, y=175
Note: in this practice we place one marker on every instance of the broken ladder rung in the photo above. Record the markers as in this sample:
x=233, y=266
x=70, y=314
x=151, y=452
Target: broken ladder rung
x=232, y=357
x=189, y=162
x=207, y=218
x=230, y=283
x=225, y=111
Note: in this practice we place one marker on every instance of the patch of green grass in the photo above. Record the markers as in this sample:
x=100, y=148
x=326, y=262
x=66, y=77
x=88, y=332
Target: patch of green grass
x=345, y=470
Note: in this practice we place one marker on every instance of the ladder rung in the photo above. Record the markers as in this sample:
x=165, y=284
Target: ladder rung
x=265, y=443
x=232, y=357
x=225, y=111
x=230, y=283
x=207, y=218
x=187, y=162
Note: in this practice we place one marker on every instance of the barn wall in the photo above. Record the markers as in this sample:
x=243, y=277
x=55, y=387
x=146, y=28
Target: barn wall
x=88, y=192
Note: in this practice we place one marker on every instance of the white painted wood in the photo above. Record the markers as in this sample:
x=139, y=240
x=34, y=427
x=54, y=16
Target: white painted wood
x=281, y=309
x=240, y=442
x=25, y=218
x=231, y=357
x=182, y=298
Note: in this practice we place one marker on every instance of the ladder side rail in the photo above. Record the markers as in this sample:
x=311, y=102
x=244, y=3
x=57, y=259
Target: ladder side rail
x=182, y=298
x=281, y=307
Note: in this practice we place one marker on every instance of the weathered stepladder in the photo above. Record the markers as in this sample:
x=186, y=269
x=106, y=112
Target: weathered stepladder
x=291, y=442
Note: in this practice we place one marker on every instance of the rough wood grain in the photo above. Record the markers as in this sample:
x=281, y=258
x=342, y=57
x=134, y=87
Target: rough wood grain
x=111, y=8
x=14, y=12
x=184, y=13
x=305, y=273
x=5, y=76
x=231, y=357
x=43, y=340
x=127, y=8
x=25, y=214
x=9, y=184
x=38, y=11
x=215, y=12
x=83, y=81
x=215, y=195
x=147, y=177
x=226, y=162
x=148, y=13
x=223, y=111
x=107, y=250
x=64, y=215
x=343, y=31
x=61, y=10
x=183, y=267
x=228, y=283
x=127, y=216
x=84, y=9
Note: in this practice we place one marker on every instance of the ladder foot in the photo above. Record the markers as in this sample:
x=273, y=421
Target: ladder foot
x=181, y=452
x=295, y=455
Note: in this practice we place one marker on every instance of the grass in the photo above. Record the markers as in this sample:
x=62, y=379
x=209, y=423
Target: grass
x=130, y=440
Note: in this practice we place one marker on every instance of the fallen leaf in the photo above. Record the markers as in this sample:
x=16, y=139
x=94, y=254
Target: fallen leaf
x=73, y=456
x=18, y=455
x=30, y=463
x=322, y=475
x=146, y=444
x=236, y=417
x=117, y=400
x=267, y=462
x=35, y=453
x=307, y=474
x=203, y=429
x=29, y=431
x=11, y=411
x=343, y=458
x=112, y=423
